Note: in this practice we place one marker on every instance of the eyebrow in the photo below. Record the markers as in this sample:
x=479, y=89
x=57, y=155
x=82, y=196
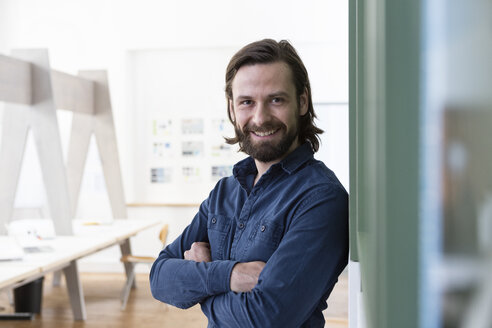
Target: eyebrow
x=271, y=95
x=243, y=97
x=279, y=93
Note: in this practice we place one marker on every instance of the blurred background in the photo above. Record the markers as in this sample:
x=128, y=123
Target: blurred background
x=420, y=112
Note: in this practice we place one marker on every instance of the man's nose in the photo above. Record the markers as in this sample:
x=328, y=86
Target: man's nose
x=261, y=114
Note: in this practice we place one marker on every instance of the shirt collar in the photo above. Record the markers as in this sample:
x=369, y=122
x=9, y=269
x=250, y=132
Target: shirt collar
x=298, y=157
x=291, y=163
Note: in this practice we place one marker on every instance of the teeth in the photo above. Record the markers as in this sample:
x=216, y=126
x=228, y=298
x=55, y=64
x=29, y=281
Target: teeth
x=263, y=134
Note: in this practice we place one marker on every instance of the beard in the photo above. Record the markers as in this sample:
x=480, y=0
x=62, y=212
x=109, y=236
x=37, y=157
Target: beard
x=266, y=151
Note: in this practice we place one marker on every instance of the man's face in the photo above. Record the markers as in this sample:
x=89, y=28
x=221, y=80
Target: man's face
x=266, y=110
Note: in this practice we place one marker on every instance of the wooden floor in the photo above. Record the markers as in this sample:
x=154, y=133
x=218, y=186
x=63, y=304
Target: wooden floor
x=102, y=293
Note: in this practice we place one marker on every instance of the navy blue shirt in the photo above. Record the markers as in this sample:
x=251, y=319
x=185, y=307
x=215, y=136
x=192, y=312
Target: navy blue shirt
x=295, y=219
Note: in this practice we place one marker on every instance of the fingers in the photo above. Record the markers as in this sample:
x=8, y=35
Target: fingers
x=200, y=244
x=198, y=252
x=257, y=266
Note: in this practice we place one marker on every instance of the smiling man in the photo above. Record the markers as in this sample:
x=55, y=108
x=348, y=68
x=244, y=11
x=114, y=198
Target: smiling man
x=267, y=246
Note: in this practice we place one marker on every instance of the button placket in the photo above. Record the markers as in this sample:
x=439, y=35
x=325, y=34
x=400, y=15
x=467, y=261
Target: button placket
x=243, y=217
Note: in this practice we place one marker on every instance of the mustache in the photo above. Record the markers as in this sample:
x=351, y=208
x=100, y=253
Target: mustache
x=264, y=127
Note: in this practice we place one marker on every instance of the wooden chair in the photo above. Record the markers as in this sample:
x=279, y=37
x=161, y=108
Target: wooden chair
x=134, y=260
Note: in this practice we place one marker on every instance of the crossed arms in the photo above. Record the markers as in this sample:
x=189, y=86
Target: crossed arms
x=284, y=292
x=244, y=276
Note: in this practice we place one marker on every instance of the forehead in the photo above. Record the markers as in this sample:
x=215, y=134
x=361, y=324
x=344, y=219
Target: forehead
x=263, y=78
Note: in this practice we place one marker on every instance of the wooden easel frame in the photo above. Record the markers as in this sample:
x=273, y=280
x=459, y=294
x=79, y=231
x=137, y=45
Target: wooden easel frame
x=33, y=92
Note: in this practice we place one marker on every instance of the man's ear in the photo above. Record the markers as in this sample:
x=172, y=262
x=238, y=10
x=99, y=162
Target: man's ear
x=231, y=111
x=303, y=103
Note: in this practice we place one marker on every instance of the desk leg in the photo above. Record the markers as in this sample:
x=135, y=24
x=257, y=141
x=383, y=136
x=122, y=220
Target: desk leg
x=126, y=250
x=75, y=291
x=56, y=278
x=10, y=295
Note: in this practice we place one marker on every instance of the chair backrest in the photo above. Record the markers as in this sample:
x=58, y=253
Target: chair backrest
x=163, y=234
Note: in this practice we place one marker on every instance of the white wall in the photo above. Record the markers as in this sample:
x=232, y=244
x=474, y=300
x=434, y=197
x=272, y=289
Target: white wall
x=98, y=34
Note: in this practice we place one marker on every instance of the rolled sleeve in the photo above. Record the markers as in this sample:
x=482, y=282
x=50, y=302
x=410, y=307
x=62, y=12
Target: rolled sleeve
x=219, y=277
x=184, y=283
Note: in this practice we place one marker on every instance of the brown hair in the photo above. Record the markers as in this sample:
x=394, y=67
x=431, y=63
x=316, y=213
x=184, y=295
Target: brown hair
x=269, y=51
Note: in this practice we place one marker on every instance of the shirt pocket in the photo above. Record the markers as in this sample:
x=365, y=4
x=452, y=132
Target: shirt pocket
x=218, y=227
x=263, y=241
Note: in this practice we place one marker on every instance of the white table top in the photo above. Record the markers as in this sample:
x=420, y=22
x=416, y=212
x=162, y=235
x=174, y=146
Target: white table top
x=87, y=240
x=118, y=229
x=17, y=272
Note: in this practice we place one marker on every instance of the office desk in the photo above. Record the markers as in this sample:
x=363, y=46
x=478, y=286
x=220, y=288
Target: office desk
x=11, y=275
x=64, y=253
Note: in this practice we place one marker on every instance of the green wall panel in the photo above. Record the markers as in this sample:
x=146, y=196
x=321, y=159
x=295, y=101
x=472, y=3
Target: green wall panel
x=384, y=111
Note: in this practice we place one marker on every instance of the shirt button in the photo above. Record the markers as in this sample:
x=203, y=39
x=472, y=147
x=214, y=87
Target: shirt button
x=263, y=228
x=241, y=225
x=214, y=220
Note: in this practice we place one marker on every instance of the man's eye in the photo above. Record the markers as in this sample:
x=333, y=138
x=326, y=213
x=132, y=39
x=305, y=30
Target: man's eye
x=246, y=102
x=277, y=100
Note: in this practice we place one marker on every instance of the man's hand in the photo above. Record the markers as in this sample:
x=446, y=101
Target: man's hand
x=244, y=276
x=199, y=252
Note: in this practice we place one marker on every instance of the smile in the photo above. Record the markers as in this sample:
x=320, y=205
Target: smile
x=264, y=134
